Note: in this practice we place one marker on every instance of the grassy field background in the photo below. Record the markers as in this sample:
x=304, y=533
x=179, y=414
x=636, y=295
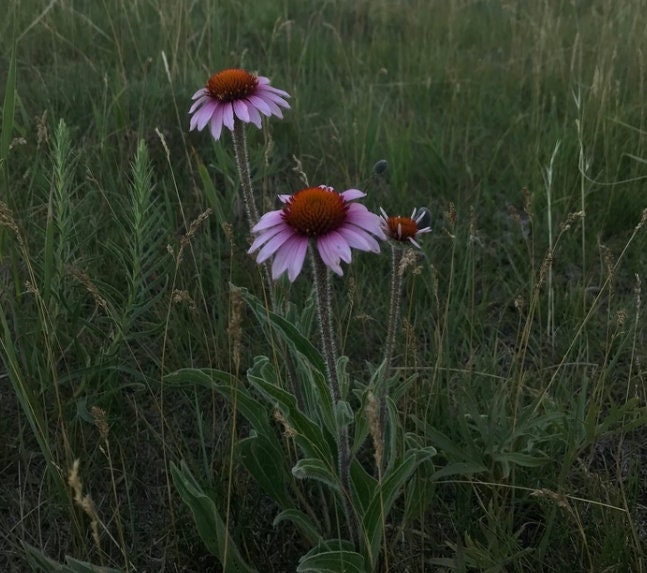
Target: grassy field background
x=520, y=125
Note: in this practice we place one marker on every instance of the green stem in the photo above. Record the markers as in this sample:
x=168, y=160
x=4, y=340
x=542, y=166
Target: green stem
x=324, y=311
x=242, y=161
x=382, y=391
x=394, y=308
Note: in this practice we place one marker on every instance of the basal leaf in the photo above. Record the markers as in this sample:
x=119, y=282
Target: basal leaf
x=385, y=495
x=210, y=525
x=308, y=434
x=459, y=468
x=265, y=462
x=313, y=468
x=287, y=330
x=230, y=388
x=303, y=523
x=332, y=556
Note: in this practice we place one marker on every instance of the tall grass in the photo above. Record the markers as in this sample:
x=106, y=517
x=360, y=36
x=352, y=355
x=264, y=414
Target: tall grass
x=521, y=350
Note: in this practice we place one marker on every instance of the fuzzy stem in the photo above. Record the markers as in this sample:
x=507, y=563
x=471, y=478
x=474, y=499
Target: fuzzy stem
x=324, y=311
x=394, y=317
x=242, y=161
x=394, y=308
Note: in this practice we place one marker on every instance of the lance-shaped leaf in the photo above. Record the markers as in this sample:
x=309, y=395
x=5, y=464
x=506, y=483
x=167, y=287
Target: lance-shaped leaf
x=210, y=525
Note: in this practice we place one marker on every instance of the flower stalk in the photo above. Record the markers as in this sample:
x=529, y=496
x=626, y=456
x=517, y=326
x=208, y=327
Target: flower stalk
x=394, y=306
x=324, y=312
x=394, y=318
x=242, y=162
x=401, y=231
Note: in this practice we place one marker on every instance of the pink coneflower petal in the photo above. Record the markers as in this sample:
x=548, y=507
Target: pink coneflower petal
x=215, y=124
x=228, y=116
x=200, y=92
x=359, y=240
x=329, y=255
x=275, y=109
x=254, y=116
x=240, y=109
x=260, y=104
x=290, y=257
x=352, y=194
x=361, y=217
x=319, y=216
x=198, y=102
x=336, y=245
x=268, y=220
x=274, y=243
x=235, y=95
x=203, y=116
x=270, y=96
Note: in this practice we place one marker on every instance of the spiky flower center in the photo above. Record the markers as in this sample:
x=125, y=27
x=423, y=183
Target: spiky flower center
x=315, y=211
x=401, y=228
x=232, y=84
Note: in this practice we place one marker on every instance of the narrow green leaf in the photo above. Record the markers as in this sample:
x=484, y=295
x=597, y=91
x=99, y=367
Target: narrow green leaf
x=213, y=199
x=287, y=330
x=40, y=561
x=75, y=566
x=309, y=434
x=453, y=451
x=385, y=495
x=459, y=468
x=320, y=401
x=8, y=109
x=210, y=525
x=230, y=388
x=313, y=468
x=525, y=460
x=332, y=562
x=363, y=485
x=303, y=523
x=266, y=463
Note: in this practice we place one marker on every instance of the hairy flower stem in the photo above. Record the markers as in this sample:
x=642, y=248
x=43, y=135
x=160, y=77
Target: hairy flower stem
x=242, y=162
x=324, y=311
x=394, y=318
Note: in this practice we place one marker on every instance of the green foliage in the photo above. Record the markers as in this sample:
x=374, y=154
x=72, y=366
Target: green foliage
x=8, y=111
x=40, y=562
x=211, y=527
x=514, y=431
x=325, y=559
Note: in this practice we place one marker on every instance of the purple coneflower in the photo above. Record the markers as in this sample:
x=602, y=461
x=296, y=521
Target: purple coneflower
x=399, y=230
x=404, y=228
x=329, y=219
x=235, y=93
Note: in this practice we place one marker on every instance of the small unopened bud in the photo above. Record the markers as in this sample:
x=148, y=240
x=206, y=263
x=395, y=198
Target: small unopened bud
x=380, y=167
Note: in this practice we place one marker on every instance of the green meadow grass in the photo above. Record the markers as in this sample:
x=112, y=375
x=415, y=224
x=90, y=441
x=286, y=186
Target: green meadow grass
x=520, y=125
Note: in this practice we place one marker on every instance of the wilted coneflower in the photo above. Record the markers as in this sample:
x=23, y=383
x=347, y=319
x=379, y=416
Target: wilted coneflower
x=404, y=229
x=401, y=231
